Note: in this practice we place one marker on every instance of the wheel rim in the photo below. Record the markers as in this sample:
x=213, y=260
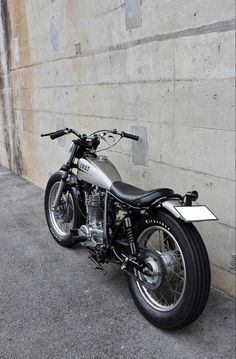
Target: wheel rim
x=62, y=218
x=171, y=291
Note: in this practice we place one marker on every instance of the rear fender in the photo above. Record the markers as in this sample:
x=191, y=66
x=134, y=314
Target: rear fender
x=170, y=204
x=196, y=213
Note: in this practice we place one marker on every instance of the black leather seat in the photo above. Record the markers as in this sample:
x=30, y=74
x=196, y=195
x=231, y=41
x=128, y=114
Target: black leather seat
x=136, y=196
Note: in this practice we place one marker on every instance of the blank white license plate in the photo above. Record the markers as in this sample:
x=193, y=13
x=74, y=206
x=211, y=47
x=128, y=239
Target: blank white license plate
x=195, y=213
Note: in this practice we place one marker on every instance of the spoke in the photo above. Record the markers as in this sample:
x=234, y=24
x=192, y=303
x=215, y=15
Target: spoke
x=177, y=275
x=165, y=299
x=170, y=288
x=176, y=283
x=167, y=247
x=167, y=236
x=157, y=298
x=175, y=291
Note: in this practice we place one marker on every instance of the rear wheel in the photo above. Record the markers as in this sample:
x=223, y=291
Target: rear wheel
x=177, y=291
x=66, y=216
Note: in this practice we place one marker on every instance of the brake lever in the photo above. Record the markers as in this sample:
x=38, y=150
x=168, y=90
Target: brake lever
x=110, y=136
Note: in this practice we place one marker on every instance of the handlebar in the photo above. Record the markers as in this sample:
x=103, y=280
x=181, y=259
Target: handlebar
x=57, y=134
x=92, y=141
x=66, y=131
x=129, y=135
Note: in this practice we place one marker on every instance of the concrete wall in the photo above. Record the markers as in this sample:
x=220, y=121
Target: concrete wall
x=161, y=68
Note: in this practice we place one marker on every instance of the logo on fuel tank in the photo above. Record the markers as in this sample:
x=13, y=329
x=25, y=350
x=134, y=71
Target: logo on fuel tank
x=84, y=167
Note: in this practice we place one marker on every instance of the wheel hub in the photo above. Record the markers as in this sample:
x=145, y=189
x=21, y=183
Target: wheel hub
x=154, y=263
x=170, y=261
x=63, y=214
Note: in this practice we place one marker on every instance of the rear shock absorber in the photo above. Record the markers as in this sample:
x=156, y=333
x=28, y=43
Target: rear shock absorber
x=130, y=236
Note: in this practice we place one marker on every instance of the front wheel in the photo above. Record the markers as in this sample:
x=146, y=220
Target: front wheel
x=177, y=291
x=68, y=214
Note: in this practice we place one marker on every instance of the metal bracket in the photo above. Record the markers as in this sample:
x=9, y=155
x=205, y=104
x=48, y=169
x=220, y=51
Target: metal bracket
x=124, y=264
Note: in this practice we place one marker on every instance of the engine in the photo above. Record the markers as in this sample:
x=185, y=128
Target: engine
x=93, y=229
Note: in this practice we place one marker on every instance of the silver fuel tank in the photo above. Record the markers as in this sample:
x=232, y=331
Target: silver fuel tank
x=98, y=171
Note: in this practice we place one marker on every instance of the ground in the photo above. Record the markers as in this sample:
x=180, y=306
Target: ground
x=55, y=304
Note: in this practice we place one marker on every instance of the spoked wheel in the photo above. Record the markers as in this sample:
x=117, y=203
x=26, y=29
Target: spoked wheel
x=165, y=257
x=176, y=291
x=66, y=216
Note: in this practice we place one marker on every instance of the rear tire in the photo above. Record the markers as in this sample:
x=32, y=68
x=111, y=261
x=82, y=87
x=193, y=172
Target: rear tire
x=185, y=287
x=61, y=222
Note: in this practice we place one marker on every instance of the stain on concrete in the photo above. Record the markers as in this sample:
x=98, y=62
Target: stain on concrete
x=139, y=148
x=78, y=48
x=61, y=125
x=14, y=25
x=18, y=158
x=5, y=18
x=26, y=141
x=19, y=122
x=5, y=65
x=54, y=32
x=133, y=14
x=220, y=26
x=16, y=50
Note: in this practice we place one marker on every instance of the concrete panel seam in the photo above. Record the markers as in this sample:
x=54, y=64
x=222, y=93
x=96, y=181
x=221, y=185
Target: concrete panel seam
x=85, y=115
x=232, y=271
x=225, y=225
x=190, y=170
x=221, y=26
x=118, y=118
x=212, y=128
x=124, y=83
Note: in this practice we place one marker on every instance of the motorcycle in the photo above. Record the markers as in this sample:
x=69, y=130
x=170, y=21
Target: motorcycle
x=149, y=234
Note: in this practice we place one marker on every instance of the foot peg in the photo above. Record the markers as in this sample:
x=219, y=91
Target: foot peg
x=77, y=235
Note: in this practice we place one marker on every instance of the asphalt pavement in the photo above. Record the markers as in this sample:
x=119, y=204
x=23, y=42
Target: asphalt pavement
x=55, y=304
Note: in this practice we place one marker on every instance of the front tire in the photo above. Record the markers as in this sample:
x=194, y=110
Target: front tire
x=68, y=214
x=182, y=282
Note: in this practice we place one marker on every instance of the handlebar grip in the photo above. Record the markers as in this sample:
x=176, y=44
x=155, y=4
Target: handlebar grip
x=129, y=135
x=57, y=134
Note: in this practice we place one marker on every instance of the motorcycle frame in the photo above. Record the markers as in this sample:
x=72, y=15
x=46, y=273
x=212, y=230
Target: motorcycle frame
x=79, y=149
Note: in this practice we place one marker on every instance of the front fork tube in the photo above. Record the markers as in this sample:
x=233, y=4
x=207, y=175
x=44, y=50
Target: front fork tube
x=64, y=177
x=59, y=191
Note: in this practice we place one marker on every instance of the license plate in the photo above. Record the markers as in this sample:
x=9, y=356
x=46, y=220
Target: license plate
x=195, y=213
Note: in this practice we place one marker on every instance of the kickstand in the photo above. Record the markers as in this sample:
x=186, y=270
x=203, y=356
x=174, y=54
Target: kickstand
x=98, y=265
